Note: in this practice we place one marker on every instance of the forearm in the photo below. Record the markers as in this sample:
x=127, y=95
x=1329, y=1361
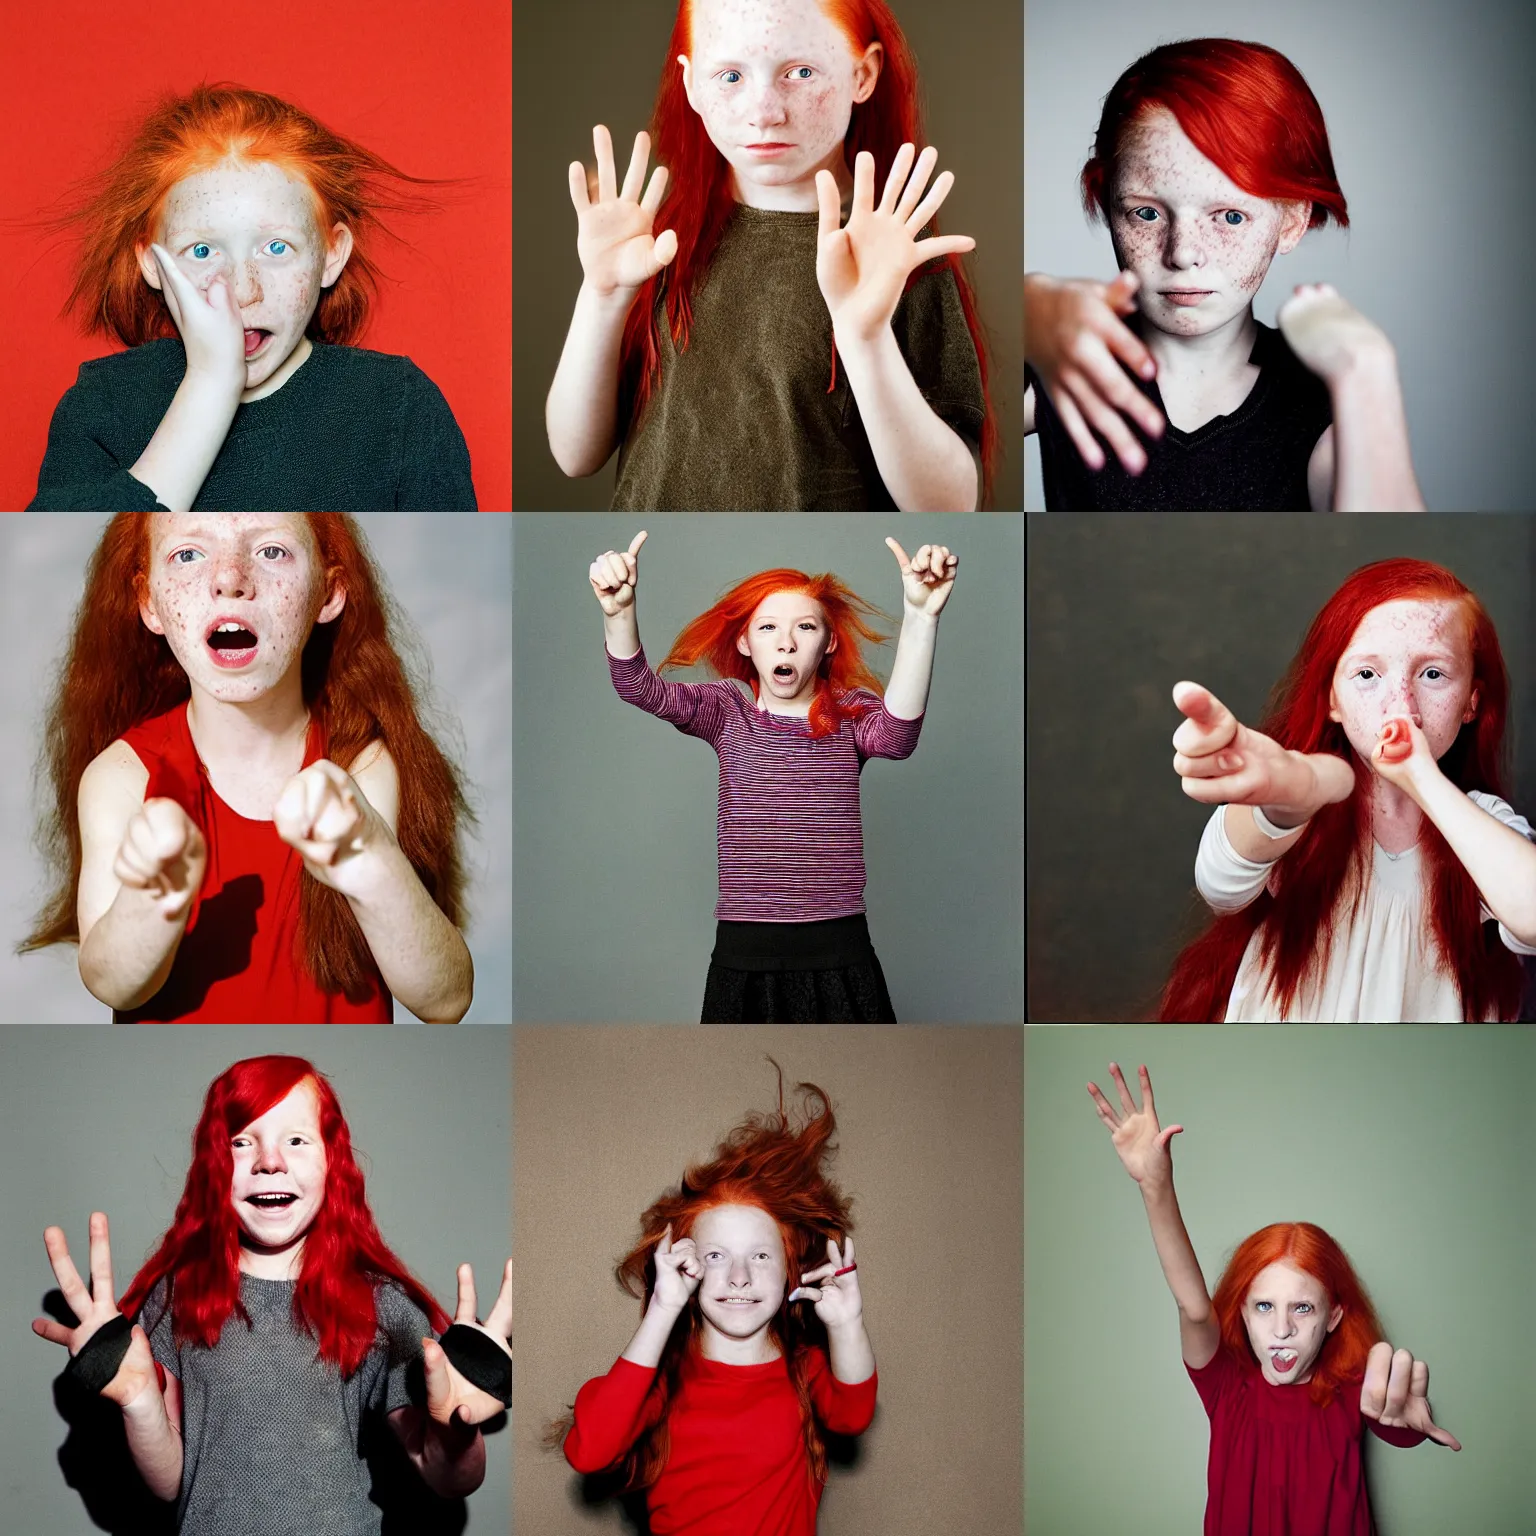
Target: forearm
x=906, y=695
x=581, y=413
x=422, y=956
x=177, y=458
x=652, y=1335
x=1373, y=462
x=621, y=633
x=851, y=1354
x=1321, y=779
x=1175, y=1252
x=926, y=465
x=452, y=1458
x=127, y=956
x=1501, y=862
x=154, y=1444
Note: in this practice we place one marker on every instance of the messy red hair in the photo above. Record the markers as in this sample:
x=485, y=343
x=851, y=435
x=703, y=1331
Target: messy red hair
x=1245, y=107
x=711, y=639
x=1327, y=869
x=344, y=1256
x=698, y=201
x=1311, y=1250
x=117, y=675
x=120, y=210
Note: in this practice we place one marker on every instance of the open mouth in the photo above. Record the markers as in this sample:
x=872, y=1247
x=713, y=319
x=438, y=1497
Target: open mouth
x=737, y=1301
x=255, y=340
x=273, y=1202
x=231, y=644
x=783, y=673
x=1283, y=1360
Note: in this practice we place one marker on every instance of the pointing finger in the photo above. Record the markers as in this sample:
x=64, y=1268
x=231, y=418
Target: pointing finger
x=465, y=1311
x=637, y=541
x=901, y=556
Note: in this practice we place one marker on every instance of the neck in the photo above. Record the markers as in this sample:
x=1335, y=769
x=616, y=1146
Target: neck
x=1219, y=354
x=1396, y=819
x=271, y=1263
x=291, y=365
x=796, y=196
x=260, y=734
x=758, y=1349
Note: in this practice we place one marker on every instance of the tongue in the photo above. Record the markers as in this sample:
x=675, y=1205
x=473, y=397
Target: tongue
x=253, y=339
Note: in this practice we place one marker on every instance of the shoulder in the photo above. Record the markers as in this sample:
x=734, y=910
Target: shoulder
x=114, y=777
x=398, y=1315
x=362, y=367
x=1502, y=810
x=129, y=367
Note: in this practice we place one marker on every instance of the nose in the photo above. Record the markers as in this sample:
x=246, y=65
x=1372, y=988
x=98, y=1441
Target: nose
x=768, y=107
x=1184, y=247
x=245, y=284
x=1405, y=701
x=270, y=1160
x=738, y=1275
x=787, y=643
x=1285, y=1327
x=232, y=576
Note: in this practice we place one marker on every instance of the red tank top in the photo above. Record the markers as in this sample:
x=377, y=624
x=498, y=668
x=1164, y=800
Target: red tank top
x=239, y=960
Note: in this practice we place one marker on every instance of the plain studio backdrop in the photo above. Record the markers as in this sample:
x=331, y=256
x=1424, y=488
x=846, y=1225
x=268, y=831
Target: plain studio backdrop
x=448, y=572
x=1410, y=1146
x=102, y=1121
x=614, y=824
x=1430, y=112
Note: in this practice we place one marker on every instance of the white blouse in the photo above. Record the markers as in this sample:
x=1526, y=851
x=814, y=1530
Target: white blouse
x=1383, y=968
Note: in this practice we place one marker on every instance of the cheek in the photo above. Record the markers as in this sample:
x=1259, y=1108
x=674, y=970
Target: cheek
x=1247, y=255
x=293, y=294
x=1140, y=243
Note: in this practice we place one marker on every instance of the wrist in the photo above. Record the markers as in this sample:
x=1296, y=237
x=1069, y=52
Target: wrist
x=615, y=300
x=214, y=385
x=861, y=341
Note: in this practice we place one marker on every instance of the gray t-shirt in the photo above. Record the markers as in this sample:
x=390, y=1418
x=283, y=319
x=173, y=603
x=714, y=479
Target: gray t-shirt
x=273, y=1439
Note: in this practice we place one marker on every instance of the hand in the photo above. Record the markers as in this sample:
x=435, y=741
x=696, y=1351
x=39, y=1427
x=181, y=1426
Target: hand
x=450, y=1397
x=1402, y=755
x=1141, y=1144
x=324, y=814
x=678, y=1271
x=208, y=319
x=162, y=851
x=95, y=1308
x=1329, y=334
x=613, y=234
x=1395, y=1393
x=613, y=576
x=1075, y=341
x=927, y=578
x=862, y=267
x=835, y=1297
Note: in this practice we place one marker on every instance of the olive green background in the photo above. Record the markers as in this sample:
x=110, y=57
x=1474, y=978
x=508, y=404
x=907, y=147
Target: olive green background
x=1411, y=1145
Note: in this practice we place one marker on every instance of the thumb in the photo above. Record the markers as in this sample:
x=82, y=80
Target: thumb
x=1199, y=704
x=665, y=247
x=1164, y=1137
x=901, y=555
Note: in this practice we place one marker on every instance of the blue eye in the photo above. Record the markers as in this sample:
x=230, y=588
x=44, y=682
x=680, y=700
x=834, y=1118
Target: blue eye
x=1233, y=217
x=1151, y=213
x=202, y=245
x=801, y=72
x=278, y=547
x=1261, y=1306
x=731, y=76
x=1305, y=1306
x=282, y=243
x=177, y=560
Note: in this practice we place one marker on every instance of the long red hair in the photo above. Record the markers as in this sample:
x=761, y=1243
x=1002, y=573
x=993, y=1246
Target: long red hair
x=711, y=639
x=1311, y=1250
x=1327, y=869
x=119, y=210
x=1245, y=107
x=117, y=675
x=344, y=1256
x=778, y=1165
x=699, y=202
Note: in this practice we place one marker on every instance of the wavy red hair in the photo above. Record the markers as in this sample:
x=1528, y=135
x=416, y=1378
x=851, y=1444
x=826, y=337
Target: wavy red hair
x=344, y=1256
x=711, y=639
x=1328, y=867
x=698, y=201
x=1311, y=1250
x=1245, y=107
x=117, y=674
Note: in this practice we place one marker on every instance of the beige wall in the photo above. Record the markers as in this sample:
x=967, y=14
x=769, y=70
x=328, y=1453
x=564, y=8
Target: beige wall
x=931, y=1136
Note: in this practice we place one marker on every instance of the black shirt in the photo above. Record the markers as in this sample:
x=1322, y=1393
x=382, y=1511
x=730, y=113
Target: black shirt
x=350, y=431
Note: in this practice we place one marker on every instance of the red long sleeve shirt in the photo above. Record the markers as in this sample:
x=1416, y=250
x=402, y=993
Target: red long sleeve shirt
x=737, y=1462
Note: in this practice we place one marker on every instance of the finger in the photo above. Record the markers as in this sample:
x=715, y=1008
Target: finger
x=901, y=556
x=1145, y=1079
x=1120, y=294
x=634, y=177
x=654, y=193
x=914, y=188
x=55, y=1333
x=439, y=1382
x=1102, y=1105
x=65, y=1273
x=894, y=182
x=1125, y=344
x=1398, y=1383
x=1207, y=766
x=1442, y=1436
x=1127, y=1103
x=607, y=179
x=101, y=1260
x=464, y=1312
x=804, y=1293
x=499, y=1320
x=821, y=1272
x=848, y=1249
x=638, y=542
x=864, y=181
x=665, y=1245
x=1199, y=704
x=576, y=178
x=1103, y=355
x=834, y=1254
x=1165, y=1136
x=664, y=248
x=828, y=206
x=941, y=245
x=1373, y=1390
x=931, y=204
x=1106, y=420
x=1077, y=429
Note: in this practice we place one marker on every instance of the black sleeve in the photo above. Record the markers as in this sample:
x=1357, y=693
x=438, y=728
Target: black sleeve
x=930, y=329
x=434, y=458
x=80, y=473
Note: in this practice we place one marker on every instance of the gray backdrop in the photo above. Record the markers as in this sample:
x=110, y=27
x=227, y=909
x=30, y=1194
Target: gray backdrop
x=1121, y=607
x=614, y=820
x=449, y=571
x=600, y=63
x=103, y=1120
x=1430, y=112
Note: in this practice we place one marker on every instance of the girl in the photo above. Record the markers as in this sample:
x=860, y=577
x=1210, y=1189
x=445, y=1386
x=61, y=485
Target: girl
x=250, y=822
x=709, y=353
x=262, y=1428
x=227, y=249
x=1211, y=158
x=1361, y=841
x=791, y=942
x=722, y=1421
x=1289, y=1312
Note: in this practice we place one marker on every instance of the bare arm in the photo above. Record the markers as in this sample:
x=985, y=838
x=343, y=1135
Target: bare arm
x=154, y=1441
x=176, y=460
x=927, y=580
x=614, y=576
x=582, y=411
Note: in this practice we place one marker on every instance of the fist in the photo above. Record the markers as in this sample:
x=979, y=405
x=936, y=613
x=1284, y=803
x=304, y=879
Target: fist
x=678, y=1270
x=163, y=852
x=613, y=576
x=322, y=813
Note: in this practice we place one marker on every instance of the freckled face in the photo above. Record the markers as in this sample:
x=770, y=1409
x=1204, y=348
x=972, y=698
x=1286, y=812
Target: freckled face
x=786, y=638
x=261, y=570
x=775, y=82
x=742, y=1252
x=1180, y=223
x=1412, y=658
x=1288, y=1318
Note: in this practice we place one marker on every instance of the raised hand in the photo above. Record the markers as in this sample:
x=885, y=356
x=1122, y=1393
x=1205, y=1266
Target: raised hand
x=613, y=576
x=835, y=1297
x=450, y=1396
x=613, y=231
x=324, y=814
x=1328, y=333
x=1402, y=754
x=678, y=1270
x=927, y=578
x=95, y=1308
x=1140, y=1142
x=162, y=851
x=1078, y=345
x=209, y=321
x=862, y=267
x=1395, y=1393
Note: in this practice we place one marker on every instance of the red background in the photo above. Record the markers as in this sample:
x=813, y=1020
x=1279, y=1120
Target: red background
x=426, y=84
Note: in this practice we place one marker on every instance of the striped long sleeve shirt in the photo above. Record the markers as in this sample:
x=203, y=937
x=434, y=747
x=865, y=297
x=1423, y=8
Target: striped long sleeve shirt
x=790, y=839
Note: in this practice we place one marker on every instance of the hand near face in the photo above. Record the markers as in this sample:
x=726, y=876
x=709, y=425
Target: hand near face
x=208, y=319
x=613, y=227
x=1139, y=1141
x=1402, y=754
x=324, y=814
x=1396, y=1393
x=835, y=1297
x=678, y=1270
x=162, y=851
x=614, y=574
x=927, y=578
x=1329, y=334
x=450, y=1396
x=862, y=267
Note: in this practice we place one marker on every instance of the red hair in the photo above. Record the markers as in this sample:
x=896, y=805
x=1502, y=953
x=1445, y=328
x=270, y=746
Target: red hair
x=1311, y=1250
x=711, y=638
x=121, y=209
x=117, y=675
x=1325, y=873
x=344, y=1256
x=699, y=201
x=1245, y=107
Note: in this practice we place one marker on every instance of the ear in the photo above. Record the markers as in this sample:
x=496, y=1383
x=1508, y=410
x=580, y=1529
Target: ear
x=337, y=254
x=1333, y=706
x=741, y=644
x=334, y=603
x=149, y=616
x=831, y=644
x=1335, y=1318
x=1471, y=713
x=687, y=65
x=866, y=72
x=146, y=260
x=1294, y=222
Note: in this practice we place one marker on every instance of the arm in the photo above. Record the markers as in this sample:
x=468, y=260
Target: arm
x=614, y=577
x=840, y=1307
x=926, y=582
x=1394, y=1398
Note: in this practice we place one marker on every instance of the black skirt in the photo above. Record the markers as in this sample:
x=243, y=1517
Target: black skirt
x=796, y=973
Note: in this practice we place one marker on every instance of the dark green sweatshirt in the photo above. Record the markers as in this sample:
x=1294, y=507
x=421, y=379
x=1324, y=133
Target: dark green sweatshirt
x=351, y=431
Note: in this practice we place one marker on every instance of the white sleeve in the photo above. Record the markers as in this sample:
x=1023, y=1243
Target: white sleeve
x=1507, y=814
x=1226, y=880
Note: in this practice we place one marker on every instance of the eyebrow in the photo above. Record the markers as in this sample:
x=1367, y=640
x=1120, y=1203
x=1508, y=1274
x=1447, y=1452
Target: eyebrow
x=1443, y=655
x=204, y=229
x=200, y=530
